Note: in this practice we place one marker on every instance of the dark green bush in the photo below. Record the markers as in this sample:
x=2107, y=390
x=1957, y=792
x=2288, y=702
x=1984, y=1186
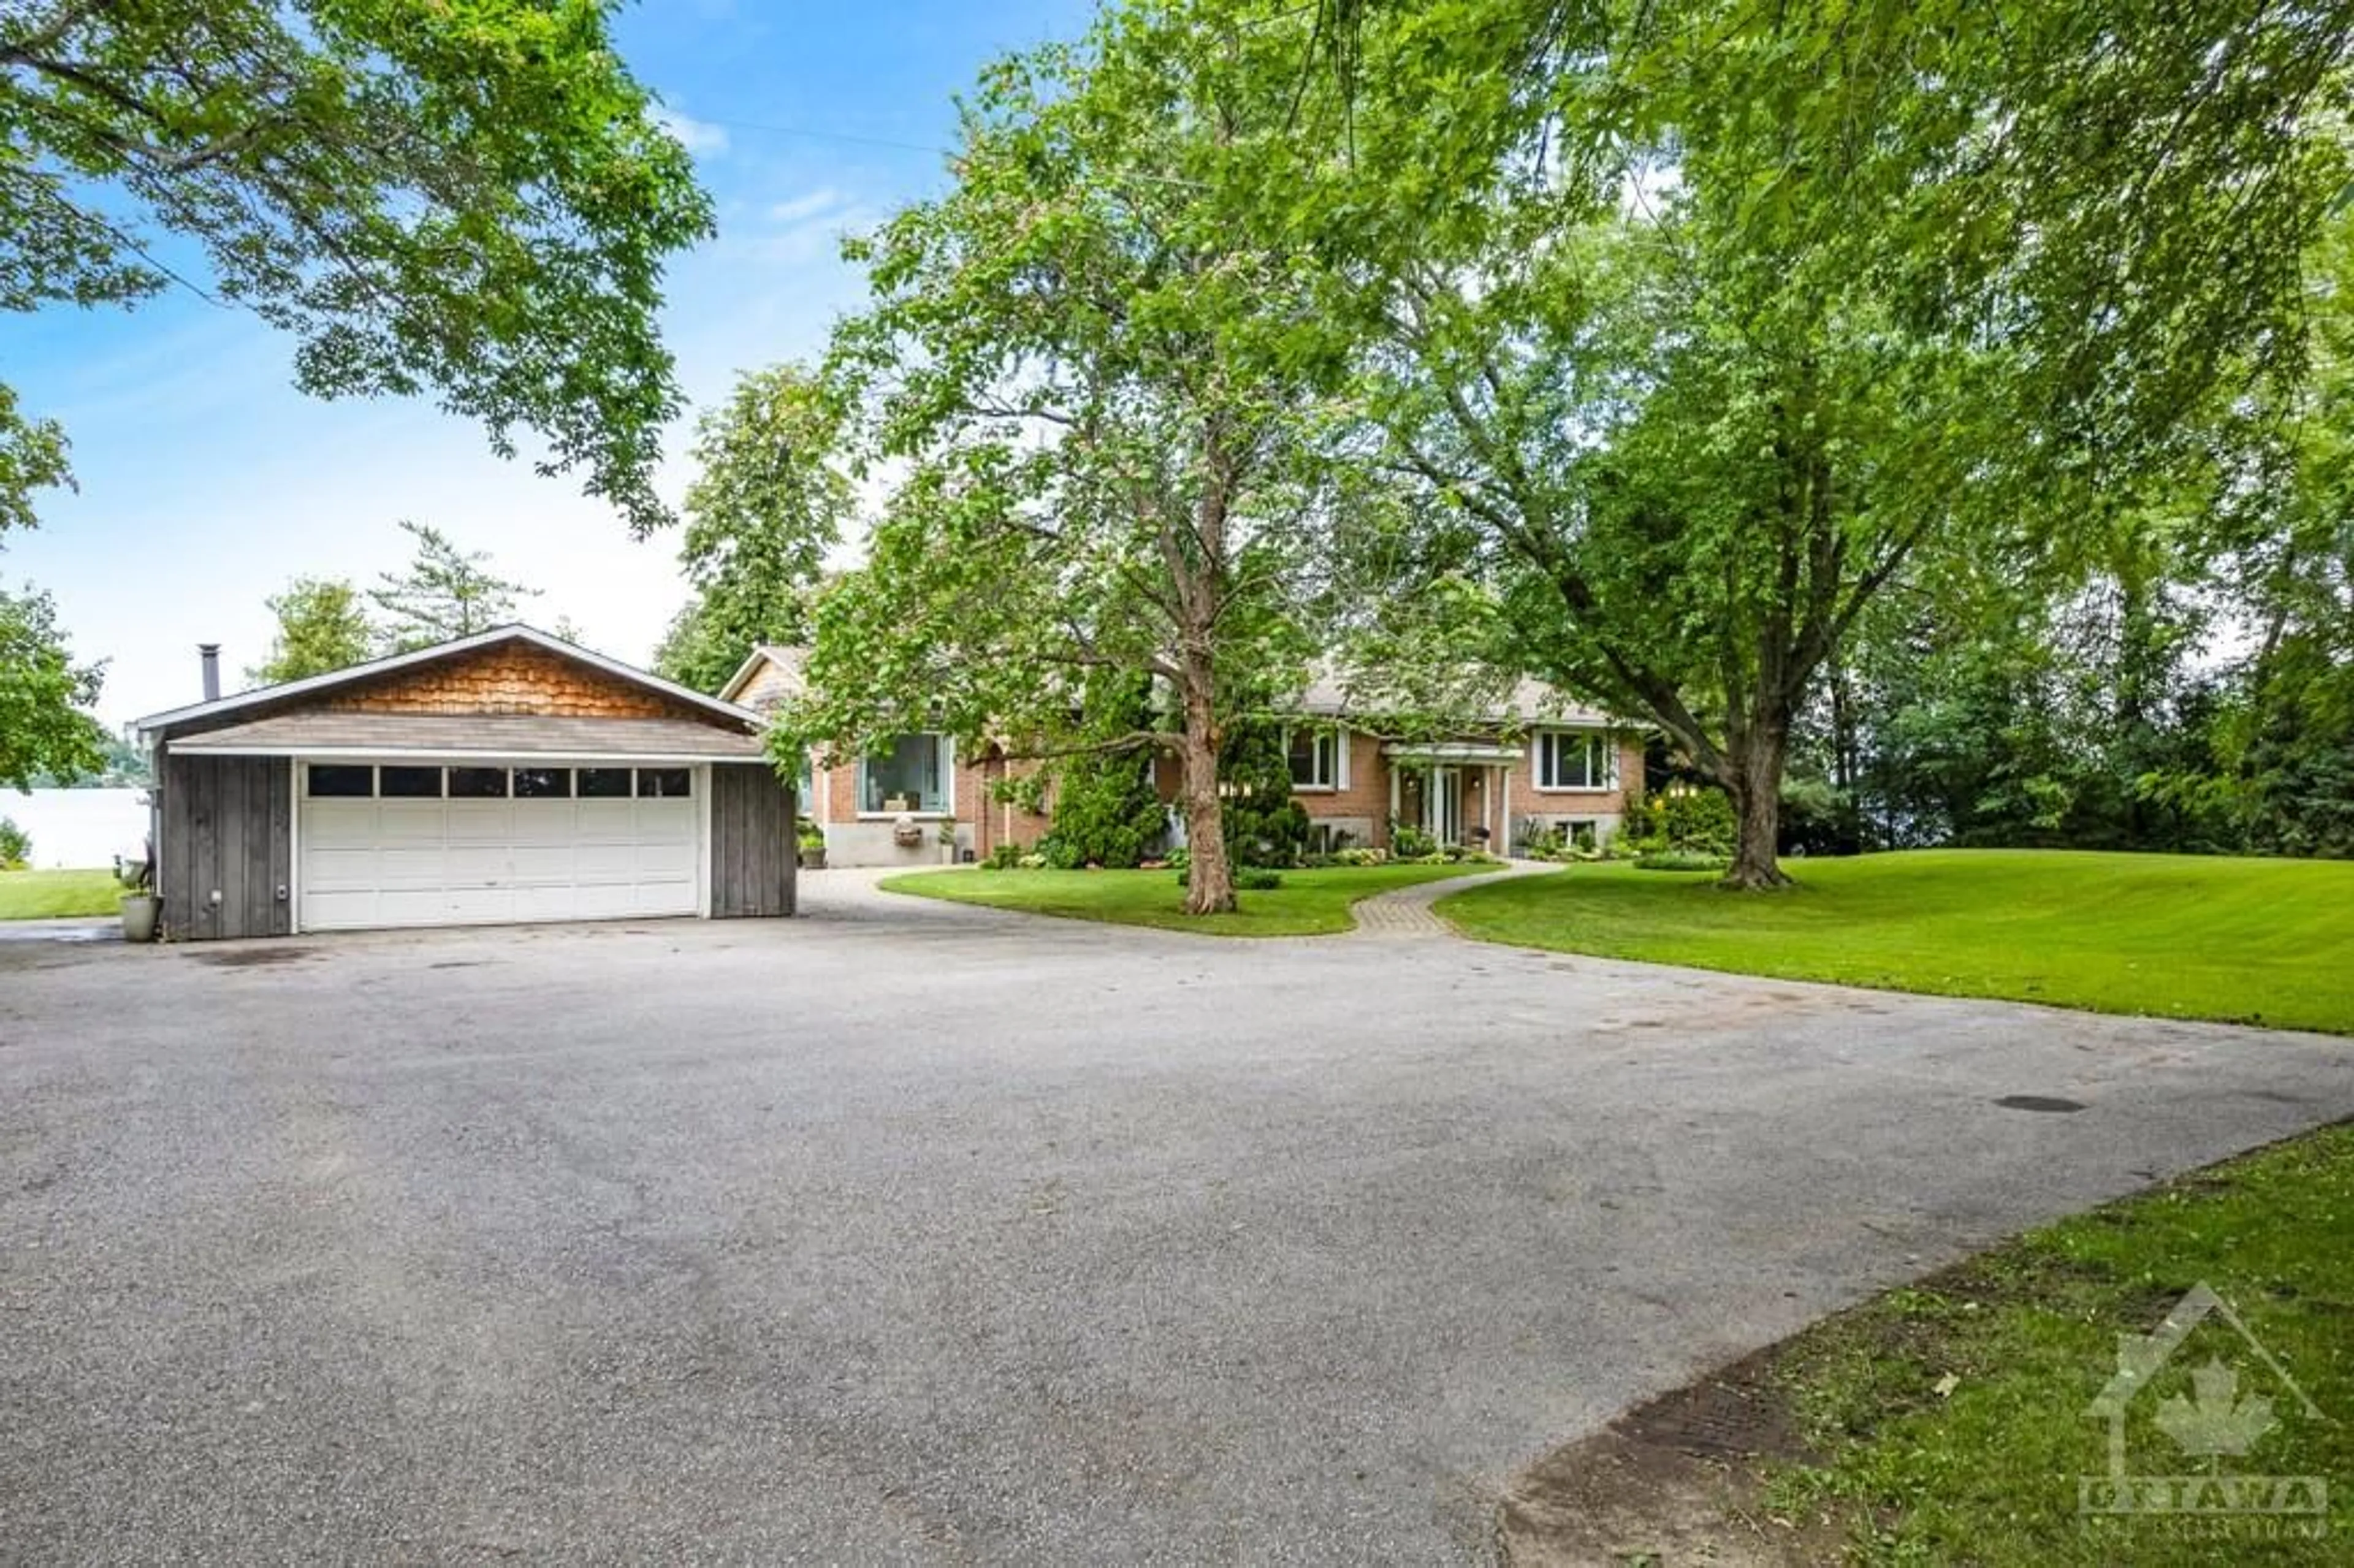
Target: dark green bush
x=1265, y=826
x=1107, y=813
x=1680, y=859
x=1248, y=879
x=1699, y=821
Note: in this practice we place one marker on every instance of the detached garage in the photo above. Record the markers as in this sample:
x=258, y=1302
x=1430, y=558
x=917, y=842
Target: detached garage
x=504, y=777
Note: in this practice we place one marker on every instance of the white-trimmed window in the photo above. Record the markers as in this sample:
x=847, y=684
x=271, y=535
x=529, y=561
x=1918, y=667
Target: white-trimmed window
x=1577, y=760
x=910, y=776
x=1319, y=758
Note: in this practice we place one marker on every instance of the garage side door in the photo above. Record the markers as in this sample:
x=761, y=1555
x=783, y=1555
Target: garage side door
x=375, y=862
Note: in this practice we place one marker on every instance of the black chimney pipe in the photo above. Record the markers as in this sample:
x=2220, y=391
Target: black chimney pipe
x=210, y=653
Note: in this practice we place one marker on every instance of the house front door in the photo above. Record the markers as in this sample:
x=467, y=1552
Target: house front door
x=1445, y=801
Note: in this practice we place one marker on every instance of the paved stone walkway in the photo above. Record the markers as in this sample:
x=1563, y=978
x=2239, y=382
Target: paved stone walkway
x=1407, y=912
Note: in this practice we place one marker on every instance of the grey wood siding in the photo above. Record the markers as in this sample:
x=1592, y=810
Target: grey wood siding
x=752, y=847
x=227, y=827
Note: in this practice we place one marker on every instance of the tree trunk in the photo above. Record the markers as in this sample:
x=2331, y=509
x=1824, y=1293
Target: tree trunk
x=1756, y=757
x=1209, y=877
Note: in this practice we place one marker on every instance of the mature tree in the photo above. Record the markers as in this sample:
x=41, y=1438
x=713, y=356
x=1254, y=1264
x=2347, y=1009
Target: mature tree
x=1709, y=317
x=446, y=592
x=696, y=652
x=472, y=202
x=322, y=625
x=43, y=729
x=771, y=497
x=1095, y=379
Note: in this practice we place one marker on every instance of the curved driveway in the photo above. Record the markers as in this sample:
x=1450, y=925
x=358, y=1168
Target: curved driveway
x=914, y=1232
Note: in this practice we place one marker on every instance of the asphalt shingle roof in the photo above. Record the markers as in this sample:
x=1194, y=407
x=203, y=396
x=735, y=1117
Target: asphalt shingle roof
x=479, y=734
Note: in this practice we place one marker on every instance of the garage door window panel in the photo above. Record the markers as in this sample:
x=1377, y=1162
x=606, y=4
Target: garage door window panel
x=605, y=783
x=478, y=783
x=543, y=783
x=665, y=783
x=410, y=783
x=341, y=782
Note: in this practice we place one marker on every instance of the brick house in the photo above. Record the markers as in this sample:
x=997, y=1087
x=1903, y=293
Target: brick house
x=1537, y=765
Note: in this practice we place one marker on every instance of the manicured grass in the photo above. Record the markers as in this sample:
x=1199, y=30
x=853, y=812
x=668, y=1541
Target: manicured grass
x=2250, y=941
x=1309, y=904
x=52, y=895
x=2022, y=1339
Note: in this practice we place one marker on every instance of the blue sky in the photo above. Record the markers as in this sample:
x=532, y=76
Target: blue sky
x=207, y=481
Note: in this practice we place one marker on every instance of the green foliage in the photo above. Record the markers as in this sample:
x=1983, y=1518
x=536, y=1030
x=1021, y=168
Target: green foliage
x=42, y=730
x=771, y=498
x=474, y=202
x=1265, y=824
x=15, y=846
x=322, y=625
x=1408, y=842
x=1108, y=810
x=1693, y=318
x=1005, y=857
x=1697, y=821
x=446, y=592
x=1098, y=384
x=1107, y=813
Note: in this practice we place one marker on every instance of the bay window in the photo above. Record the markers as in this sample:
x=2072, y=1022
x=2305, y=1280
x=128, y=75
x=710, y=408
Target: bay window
x=910, y=776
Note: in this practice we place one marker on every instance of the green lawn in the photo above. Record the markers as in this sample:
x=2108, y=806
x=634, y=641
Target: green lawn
x=47, y=895
x=1309, y=904
x=2253, y=941
x=1949, y=1420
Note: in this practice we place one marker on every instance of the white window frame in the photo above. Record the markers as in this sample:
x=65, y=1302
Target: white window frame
x=1542, y=774
x=1338, y=737
x=946, y=743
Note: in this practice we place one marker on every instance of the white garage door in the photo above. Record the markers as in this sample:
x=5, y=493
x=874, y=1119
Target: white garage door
x=371, y=860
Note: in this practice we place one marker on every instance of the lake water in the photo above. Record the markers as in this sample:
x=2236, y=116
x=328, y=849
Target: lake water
x=79, y=827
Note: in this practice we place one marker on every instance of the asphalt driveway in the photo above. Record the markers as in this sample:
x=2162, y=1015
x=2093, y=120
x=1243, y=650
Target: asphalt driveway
x=923, y=1233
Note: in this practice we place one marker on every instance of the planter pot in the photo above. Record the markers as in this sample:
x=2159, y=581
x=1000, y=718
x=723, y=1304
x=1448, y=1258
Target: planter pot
x=139, y=913
x=813, y=858
x=948, y=854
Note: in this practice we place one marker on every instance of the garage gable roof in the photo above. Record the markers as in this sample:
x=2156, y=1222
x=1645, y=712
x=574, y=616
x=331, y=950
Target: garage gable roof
x=788, y=662
x=264, y=698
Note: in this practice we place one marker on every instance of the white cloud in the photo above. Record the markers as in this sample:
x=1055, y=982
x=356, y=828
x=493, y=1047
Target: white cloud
x=697, y=136
x=805, y=228
x=801, y=207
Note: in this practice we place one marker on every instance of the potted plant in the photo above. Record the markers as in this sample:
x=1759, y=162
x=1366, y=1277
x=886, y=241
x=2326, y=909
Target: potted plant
x=947, y=836
x=141, y=909
x=810, y=841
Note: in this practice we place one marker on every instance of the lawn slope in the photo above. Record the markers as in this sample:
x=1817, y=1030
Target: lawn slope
x=2245, y=941
x=52, y=894
x=1309, y=904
